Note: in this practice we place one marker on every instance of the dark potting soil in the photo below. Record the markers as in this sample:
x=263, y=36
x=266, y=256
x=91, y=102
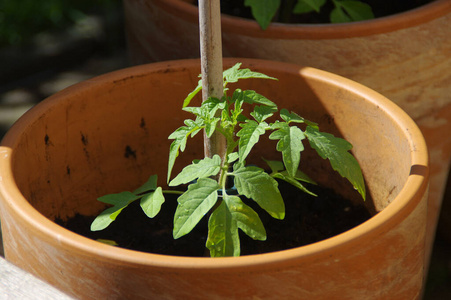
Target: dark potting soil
x=381, y=8
x=308, y=220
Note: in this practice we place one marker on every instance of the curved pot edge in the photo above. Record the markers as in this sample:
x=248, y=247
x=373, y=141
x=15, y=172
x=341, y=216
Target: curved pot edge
x=56, y=234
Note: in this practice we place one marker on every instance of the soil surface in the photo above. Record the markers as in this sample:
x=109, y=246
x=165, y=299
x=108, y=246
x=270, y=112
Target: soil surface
x=308, y=219
x=380, y=8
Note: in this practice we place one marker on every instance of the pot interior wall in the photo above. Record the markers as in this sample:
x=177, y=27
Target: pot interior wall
x=110, y=133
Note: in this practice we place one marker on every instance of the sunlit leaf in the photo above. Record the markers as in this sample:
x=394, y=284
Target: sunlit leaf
x=223, y=238
x=246, y=218
x=235, y=73
x=290, y=144
x=261, y=113
x=202, y=169
x=191, y=95
x=336, y=150
x=149, y=185
x=193, y=205
x=252, y=97
x=180, y=137
x=292, y=117
x=151, y=202
x=257, y=185
x=249, y=136
x=108, y=242
x=120, y=201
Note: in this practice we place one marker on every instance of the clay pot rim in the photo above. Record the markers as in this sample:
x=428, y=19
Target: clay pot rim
x=415, y=186
x=242, y=26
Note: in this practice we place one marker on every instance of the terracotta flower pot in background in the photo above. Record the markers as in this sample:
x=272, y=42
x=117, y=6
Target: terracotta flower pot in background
x=76, y=145
x=406, y=57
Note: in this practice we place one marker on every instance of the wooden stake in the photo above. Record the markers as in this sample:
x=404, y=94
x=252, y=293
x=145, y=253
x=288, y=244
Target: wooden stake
x=211, y=61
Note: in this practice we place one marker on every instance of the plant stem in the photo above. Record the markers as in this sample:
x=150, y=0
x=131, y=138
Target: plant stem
x=211, y=63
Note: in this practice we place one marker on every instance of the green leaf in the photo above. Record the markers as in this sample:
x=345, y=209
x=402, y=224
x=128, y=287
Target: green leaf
x=151, y=202
x=183, y=132
x=173, y=154
x=336, y=150
x=194, y=128
x=278, y=167
x=232, y=157
x=223, y=238
x=306, y=6
x=210, y=127
x=292, y=117
x=263, y=10
x=108, y=242
x=194, y=204
x=105, y=218
x=230, y=75
x=208, y=108
x=301, y=176
x=252, y=97
x=261, y=113
x=249, y=136
x=338, y=15
x=206, y=115
x=118, y=198
x=120, y=201
x=212, y=105
x=180, y=137
x=235, y=73
x=291, y=180
x=202, y=169
x=290, y=144
x=254, y=183
x=279, y=172
x=246, y=218
x=275, y=165
x=193, y=109
x=350, y=11
x=238, y=99
x=191, y=95
x=150, y=185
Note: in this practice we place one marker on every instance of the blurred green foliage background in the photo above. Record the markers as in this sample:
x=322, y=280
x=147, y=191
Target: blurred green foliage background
x=22, y=19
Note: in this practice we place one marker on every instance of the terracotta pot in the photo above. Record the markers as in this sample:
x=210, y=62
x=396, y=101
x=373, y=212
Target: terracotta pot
x=109, y=134
x=406, y=57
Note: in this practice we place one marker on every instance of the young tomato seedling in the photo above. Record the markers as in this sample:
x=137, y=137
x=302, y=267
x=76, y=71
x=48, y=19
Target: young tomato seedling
x=208, y=192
